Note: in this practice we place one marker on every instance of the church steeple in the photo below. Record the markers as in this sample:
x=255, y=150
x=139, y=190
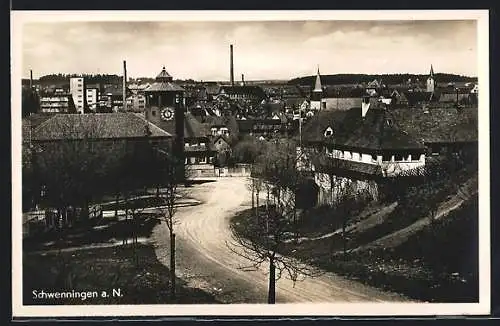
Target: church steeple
x=317, y=85
x=430, y=81
x=317, y=94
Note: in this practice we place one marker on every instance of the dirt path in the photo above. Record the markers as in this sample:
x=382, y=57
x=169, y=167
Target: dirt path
x=394, y=239
x=205, y=261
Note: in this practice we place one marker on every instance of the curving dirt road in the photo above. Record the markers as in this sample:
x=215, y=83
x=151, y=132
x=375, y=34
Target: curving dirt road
x=205, y=261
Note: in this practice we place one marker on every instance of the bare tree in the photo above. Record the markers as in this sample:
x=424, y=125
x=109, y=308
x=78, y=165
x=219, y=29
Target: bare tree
x=168, y=167
x=264, y=238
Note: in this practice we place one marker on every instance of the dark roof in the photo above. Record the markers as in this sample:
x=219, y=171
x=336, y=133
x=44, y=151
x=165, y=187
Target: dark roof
x=30, y=123
x=114, y=90
x=163, y=76
x=212, y=89
x=335, y=92
x=164, y=87
x=344, y=167
x=313, y=129
x=439, y=124
x=192, y=127
x=416, y=97
x=96, y=126
x=378, y=131
x=250, y=125
x=244, y=90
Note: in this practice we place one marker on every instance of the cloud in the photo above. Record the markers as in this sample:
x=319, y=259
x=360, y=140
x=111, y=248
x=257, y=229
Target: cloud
x=284, y=49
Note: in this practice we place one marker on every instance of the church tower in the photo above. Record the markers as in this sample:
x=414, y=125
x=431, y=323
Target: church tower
x=317, y=94
x=430, y=81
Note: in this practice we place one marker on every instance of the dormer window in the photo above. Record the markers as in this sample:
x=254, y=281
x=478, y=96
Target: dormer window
x=328, y=132
x=389, y=122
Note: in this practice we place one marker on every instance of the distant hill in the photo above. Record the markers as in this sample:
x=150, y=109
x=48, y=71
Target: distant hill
x=388, y=79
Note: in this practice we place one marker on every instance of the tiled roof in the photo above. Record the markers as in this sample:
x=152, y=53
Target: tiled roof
x=340, y=166
x=378, y=131
x=245, y=90
x=33, y=121
x=163, y=76
x=192, y=127
x=416, y=97
x=439, y=124
x=164, y=87
x=96, y=126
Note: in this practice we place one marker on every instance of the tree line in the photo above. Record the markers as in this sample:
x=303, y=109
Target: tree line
x=390, y=79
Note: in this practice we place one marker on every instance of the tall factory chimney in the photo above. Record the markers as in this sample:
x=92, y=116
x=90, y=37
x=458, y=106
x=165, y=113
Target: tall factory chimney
x=31, y=79
x=124, y=85
x=242, y=80
x=231, y=65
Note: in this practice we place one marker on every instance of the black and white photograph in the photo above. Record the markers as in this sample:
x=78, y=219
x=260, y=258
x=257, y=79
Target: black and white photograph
x=250, y=163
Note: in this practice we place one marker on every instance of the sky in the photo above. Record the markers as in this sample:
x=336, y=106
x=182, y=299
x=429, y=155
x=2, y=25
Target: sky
x=262, y=50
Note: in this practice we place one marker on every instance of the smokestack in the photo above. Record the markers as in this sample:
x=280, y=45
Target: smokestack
x=124, y=85
x=231, y=77
x=242, y=80
x=31, y=78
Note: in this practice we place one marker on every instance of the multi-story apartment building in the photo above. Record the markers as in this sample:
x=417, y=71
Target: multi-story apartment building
x=77, y=90
x=57, y=103
x=92, y=96
x=136, y=102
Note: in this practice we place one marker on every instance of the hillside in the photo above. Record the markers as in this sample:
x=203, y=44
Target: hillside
x=421, y=242
x=390, y=79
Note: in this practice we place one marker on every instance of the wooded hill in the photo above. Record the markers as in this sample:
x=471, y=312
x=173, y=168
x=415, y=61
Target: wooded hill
x=388, y=79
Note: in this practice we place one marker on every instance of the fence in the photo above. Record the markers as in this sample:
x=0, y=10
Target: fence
x=240, y=170
x=44, y=220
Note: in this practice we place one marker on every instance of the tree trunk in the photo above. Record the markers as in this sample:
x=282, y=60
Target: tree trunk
x=271, y=298
x=117, y=198
x=172, y=265
x=257, y=207
x=253, y=194
x=344, y=239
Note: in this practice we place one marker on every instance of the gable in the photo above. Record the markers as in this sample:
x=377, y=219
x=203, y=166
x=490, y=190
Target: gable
x=328, y=132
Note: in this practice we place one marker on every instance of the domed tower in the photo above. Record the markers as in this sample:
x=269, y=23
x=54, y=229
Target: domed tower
x=430, y=82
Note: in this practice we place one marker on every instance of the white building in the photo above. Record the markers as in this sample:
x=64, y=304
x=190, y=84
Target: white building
x=77, y=90
x=92, y=95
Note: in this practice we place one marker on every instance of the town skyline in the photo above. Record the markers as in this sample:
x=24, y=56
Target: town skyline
x=336, y=47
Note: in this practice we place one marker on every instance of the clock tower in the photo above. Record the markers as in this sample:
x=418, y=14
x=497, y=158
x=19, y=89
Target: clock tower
x=165, y=102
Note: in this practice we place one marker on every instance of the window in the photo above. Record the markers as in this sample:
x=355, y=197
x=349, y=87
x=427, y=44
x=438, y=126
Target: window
x=153, y=113
x=374, y=157
x=203, y=159
x=386, y=157
x=328, y=132
x=202, y=144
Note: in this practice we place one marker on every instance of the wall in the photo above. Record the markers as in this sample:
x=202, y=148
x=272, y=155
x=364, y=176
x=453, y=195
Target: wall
x=238, y=171
x=341, y=184
x=342, y=103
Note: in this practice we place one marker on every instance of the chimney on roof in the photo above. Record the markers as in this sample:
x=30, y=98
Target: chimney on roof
x=242, y=80
x=124, y=86
x=31, y=78
x=231, y=68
